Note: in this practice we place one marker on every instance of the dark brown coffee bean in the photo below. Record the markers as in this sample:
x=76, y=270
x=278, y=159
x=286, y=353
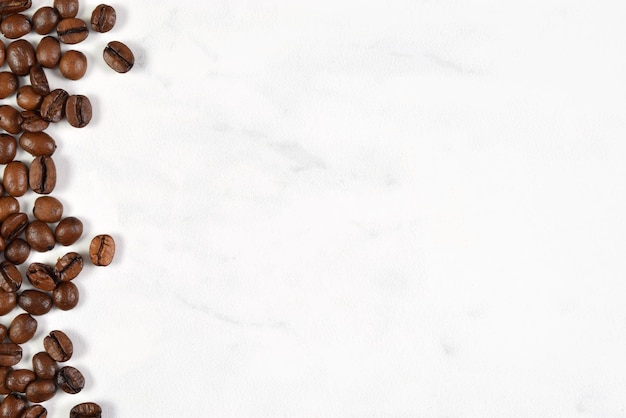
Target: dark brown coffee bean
x=17, y=380
x=35, y=411
x=72, y=31
x=42, y=176
x=58, y=346
x=68, y=231
x=8, y=84
x=10, y=278
x=13, y=406
x=8, y=149
x=10, y=119
x=103, y=18
x=14, y=225
x=66, y=8
x=48, y=52
x=33, y=122
x=48, y=209
x=14, y=6
x=22, y=328
x=45, y=20
x=65, y=296
x=20, y=56
x=15, y=26
x=39, y=236
x=28, y=99
x=4, y=331
x=2, y=53
x=41, y=390
x=38, y=80
x=119, y=57
x=35, y=302
x=69, y=266
x=8, y=300
x=70, y=380
x=4, y=372
x=86, y=410
x=78, y=111
x=10, y=354
x=53, y=105
x=102, y=250
x=44, y=366
x=17, y=251
x=41, y=276
x=15, y=180
x=73, y=65
x=8, y=205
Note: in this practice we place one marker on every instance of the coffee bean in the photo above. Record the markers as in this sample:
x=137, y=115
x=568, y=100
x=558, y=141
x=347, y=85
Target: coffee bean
x=22, y=328
x=8, y=205
x=35, y=411
x=86, y=410
x=48, y=209
x=10, y=354
x=20, y=55
x=2, y=53
x=8, y=301
x=15, y=26
x=41, y=276
x=78, y=111
x=53, y=105
x=10, y=278
x=15, y=180
x=119, y=57
x=39, y=236
x=44, y=366
x=28, y=99
x=70, y=380
x=17, y=251
x=42, y=176
x=66, y=8
x=65, y=296
x=12, y=406
x=10, y=119
x=41, y=390
x=14, y=225
x=4, y=372
x=73, y=65
x=72, y=31
x=69, y=266
x=48, y=52
x=17, y=380
x=68, y=231
x=45, y=20
x=14, y=6
x=8, y=84
x=8, y=149
x=102, y=250
x=35, y=302
x=103, y=18
x=38, y=80
x=32, y=121
x=58, y=345
x=4, y=331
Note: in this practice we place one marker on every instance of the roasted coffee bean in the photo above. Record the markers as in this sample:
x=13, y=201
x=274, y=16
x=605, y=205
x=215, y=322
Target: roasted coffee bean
x=118, y=56
x=17, y=380
x=3, y=55
x=8, y=300
x=41, y=276
x=4, y=372
x=10, y=119
x=39, y=236
x=8, y=149
x=4, y=331
x=86, y=410
x=14, y=225
x=17, y=251
x=48, y=52
x=20, y=56
x=15, y=26
x=65, y=296
x=53, y=105
x=14, y=6
x=78, y=111
x=41, y=390
x=69, y=266
x=72, y=31
x=35, y=302
x=66, y=8
x=13, y=406
x=8, y=84
x=68, y=231
x=103, y=18
x=73, y=65
x=42, y=176
x=70, y=380
x=8, y=205
x=10, y=354
x=48, y=209
x=45, y=20
x=44, y=366
x=33, y=122
x=10, y=278
x=38, y=80
x=22, y=328
x=27, y=98
x=102, y=250
x=35, y=411
x=15, y=180
x=58, y=345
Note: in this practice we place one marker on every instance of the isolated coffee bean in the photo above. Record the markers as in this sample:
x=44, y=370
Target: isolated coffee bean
x=53, y=105
x=42, y=176
x=41, y=390
x=48, y=52
x=35, y=302
x=22, y=328
x=10, y=119
x=58, y=345
x=44, y=366
x=32, y=121
x=72, y=31
x=10, y=278
x=15, y=179
x=39, y=236
x=70, y=380
x=78, y=111
x=17, y=380
x=14, y=6
x=65, y=296
x=8, y=301
x=35, y=411
x=17, y=251
x=66, y=8
x=8, y=84
x=45, y=20
x=86, y=410
x=15, y=26
x=103, y=18
x=118, y=56
x=12, y=406
x=38, y=80
x=69, y=266
x=48, y=209
x=68, y=231
x=4, y=372
x=14, y=225
x=73, y=65
x=41, y=276
x=8, y=148
x=102, y=250
x=20, y=56
x=28, y=99
x=10, y=354
x=8, y=205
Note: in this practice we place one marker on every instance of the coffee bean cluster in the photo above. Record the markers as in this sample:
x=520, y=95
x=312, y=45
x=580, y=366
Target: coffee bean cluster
x=29, y=105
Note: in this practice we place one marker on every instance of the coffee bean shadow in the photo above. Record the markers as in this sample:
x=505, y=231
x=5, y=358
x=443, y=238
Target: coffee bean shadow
x=64, y=174
x=120, y=19
x=141, y=57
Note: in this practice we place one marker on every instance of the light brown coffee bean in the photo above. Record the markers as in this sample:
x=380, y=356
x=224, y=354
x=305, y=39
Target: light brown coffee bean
x=42, y=176
x=118, y=56
x=103, y=18
x=15, y=26
x=102, y=250
x=15, y=180
x=66, y=8
x=72, y=31
x=48, y=209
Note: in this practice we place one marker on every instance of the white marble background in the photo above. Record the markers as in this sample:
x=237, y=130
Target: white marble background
x=349, y=208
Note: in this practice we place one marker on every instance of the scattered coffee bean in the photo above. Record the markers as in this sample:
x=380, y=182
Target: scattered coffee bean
x=10, y=278
x=48, y=209
x=44, y=366
x=42, y=176
x=66, y=8
x=41, y=276
x=119, y=57
x=8, y=84
x=28, y=99
x=15, y=26
x=8, y=148
x=58, y=345
x=45, y=20
x=8, y=205
x=86, y=410
x=39, y=236
x=53, y=105
x=4, y=372
x=70, y=380
x=17, y=251
x=35, y=302
x=68, y=231
x=103, y=18
x=69, y=266
x=8, y=301
x=10, y=354
x=17, y=380
x=102, y=250
x=35, y=411
x=22, y=328
x=65, y=296
x=14, y=225
x=48, y=52
x=41, y=390
x=20, y=55
x=72, y=31
x=12, y=406
x=38, y=80
x=14, y=6
x=73, y=65
x=10, y=119
x=33, y=122
x=3, y=332
x=78, y=111
x=15, y=180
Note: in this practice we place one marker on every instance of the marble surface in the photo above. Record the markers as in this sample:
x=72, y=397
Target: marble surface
x=403, y=208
